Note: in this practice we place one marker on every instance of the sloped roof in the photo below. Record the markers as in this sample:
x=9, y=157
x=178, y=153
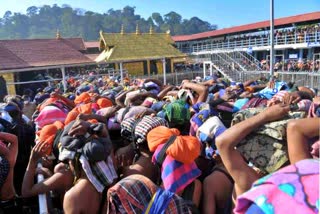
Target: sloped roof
x=8, y=60
x=27, y=53
x=142, y=46
x=92, y=44
x=248, y=27
x=76, y=43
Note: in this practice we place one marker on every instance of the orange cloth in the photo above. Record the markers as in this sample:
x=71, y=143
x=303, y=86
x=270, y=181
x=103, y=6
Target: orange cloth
x=83, y=98
x=104, y=103
x=73, y=114
x=184, y=149
x=48, y=133
x=249, y=89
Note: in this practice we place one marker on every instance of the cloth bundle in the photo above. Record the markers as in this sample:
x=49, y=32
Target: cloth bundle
x=266, y=147
x=177, y=112
x=175, y=154
x=136, y=130
x=135, y=193
x=295, y=186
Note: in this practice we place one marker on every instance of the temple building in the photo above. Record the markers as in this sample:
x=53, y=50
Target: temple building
x=139, y=53
x=26, y=63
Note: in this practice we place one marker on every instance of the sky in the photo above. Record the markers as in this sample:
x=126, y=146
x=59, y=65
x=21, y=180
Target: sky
x=224, y=13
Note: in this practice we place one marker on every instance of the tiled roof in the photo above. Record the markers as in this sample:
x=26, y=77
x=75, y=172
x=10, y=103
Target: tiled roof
x=92, y=44
x=8, y=60
x=26, y=53
x=132, y=46
x=76, y=43
x=254, y=26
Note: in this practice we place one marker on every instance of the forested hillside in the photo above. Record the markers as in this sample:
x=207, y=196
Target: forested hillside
x=43, y=22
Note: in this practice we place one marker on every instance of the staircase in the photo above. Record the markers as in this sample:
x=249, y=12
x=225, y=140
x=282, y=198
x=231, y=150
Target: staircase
x=235, y=65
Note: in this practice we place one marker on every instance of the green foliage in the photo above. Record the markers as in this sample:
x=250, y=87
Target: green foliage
x=43, y=22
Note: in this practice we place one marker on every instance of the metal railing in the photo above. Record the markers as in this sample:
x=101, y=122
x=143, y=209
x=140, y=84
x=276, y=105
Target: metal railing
x=308, y=79
x=258, y=41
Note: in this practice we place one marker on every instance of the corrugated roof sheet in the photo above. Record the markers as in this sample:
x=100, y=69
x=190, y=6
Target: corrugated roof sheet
x=248, y=27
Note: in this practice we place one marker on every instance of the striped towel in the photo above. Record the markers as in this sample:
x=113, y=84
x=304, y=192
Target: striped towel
x=227, y=107
x=176, y=175
x=49, y=115
x=304, y=105
x=314, y=110
x=101, y=174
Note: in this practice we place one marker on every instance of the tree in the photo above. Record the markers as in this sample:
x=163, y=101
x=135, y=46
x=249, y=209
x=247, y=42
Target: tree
x=32, y=11
x=157, y=18
x=42, y=22
x=7, y=15
x=172, y=18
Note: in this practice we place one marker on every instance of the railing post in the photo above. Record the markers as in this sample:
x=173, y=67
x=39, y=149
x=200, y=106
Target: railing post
x=285, y=39
x=305, y=36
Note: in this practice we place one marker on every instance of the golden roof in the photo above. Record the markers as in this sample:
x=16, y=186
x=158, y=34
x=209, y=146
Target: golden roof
x=122, y=47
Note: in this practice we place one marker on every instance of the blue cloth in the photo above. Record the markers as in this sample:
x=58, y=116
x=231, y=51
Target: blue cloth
x=10, y=107
x=157, y=106
x=161, y=114
x=254, y=209
x=222, y=92
x=83, y=88
x=268, y=93
x=239, y=104
x=161, y=201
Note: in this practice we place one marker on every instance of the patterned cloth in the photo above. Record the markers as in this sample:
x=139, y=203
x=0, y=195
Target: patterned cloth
x=268, y=93
x=174, y=174
x=101, y=174
x=177, y=112
x=210, y=130
x=132, y=195
x=314, y=110
x=49, y=115
x=203, y=113
x=266, y=147
x=165, y=202
x=293, y=187
x=255, y=103
x=137, y=129
x=4, y=170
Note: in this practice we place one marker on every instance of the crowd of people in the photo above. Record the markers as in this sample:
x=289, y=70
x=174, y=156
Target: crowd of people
x=292, y=65
x=138, y=146
x=297, y=34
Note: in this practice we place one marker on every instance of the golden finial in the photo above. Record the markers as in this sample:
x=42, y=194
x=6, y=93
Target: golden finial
x=151, y=30
x=58, y=36
x=137, y=29
x=122, y=29
x=168, y=32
